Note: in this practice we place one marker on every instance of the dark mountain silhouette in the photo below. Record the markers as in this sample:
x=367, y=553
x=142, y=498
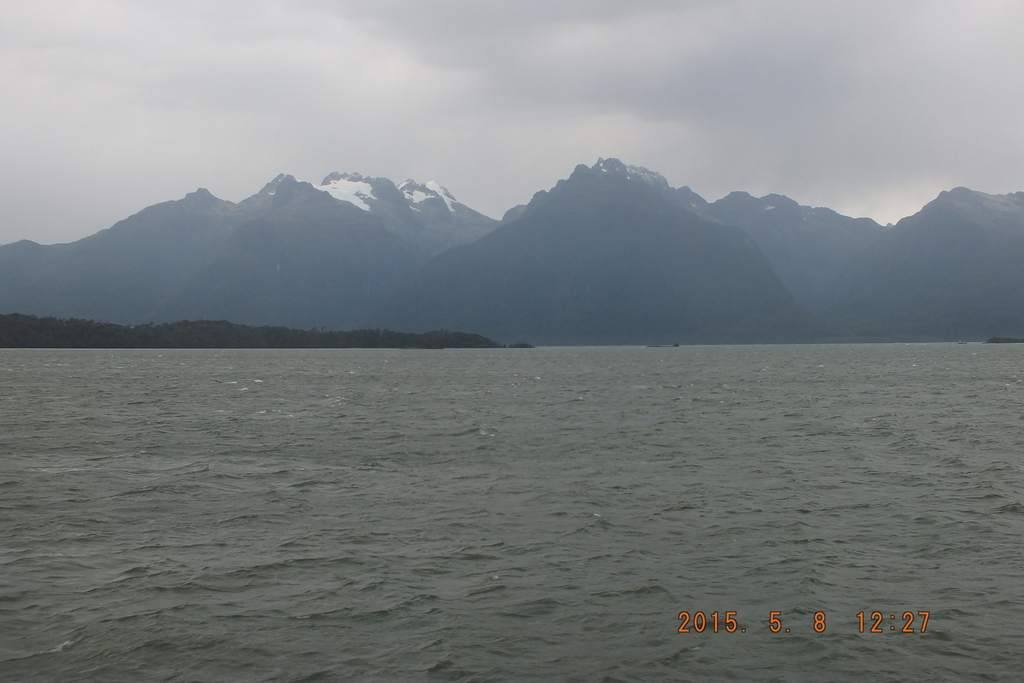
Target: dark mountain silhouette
x=953, y=270
x=603, y=258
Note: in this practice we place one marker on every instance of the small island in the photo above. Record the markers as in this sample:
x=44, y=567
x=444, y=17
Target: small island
x=1003, y=340
x=29, y=331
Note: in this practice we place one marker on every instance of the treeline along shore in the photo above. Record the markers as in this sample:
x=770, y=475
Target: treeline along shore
x=28, y=331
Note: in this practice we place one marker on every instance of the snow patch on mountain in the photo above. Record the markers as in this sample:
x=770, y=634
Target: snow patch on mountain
x=416, y=192
x=351, y=188
x=417, y=196
x=443, y=193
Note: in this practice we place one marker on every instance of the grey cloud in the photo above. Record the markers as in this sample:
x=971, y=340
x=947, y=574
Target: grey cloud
x=869, y=107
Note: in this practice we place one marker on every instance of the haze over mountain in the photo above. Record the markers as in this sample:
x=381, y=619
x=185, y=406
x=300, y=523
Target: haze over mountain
x=612, y=254
x=954, y=269
x=291, y=254
x=809, y=248
x=603, y=258
x=121, y=274
x=302, y=258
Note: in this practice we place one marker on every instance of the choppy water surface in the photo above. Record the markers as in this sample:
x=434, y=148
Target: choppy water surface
x=512, y=515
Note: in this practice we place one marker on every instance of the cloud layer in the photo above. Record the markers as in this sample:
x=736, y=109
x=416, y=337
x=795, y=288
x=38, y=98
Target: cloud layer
x=871, y=108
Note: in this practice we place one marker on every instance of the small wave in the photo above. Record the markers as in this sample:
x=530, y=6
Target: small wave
x=61, y=647
x=532, y=609
x=492, y=588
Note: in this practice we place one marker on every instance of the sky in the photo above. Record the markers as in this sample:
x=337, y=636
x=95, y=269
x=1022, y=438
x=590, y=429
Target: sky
x=868, y=107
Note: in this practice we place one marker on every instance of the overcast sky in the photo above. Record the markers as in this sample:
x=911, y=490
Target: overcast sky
x=871, y=108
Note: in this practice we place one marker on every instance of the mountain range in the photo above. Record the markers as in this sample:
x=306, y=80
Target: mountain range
x=611, y=255
x=291, y=254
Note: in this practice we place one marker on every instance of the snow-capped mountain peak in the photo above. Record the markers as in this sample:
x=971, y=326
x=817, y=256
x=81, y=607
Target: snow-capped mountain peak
x=416, y=192
x=349, y=187
x=362, y=191
x=427, y=213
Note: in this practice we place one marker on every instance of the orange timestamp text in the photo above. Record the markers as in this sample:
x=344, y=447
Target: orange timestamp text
x=866, y=622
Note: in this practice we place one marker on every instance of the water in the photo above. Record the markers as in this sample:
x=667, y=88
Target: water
x=526, y=515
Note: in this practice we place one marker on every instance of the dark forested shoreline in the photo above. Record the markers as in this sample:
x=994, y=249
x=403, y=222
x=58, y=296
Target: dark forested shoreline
x=28, y=331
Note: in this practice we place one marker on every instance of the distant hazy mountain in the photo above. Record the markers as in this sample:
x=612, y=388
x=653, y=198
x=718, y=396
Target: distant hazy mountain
x=307, y=260
x=809, y=248
x=613, y=254
x=291, y=254
x=123, y=273
x=604, y=258
x=954, y=269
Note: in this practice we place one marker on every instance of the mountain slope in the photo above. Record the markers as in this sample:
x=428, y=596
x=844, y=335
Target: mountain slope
x=204, y=257
x=602, y=258
x=809, y=248
x=120, y=274
x=309, y=260
x=954, y=269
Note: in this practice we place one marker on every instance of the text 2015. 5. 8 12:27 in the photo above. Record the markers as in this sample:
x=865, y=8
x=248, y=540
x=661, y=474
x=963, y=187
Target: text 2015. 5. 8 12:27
x=874, y=622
